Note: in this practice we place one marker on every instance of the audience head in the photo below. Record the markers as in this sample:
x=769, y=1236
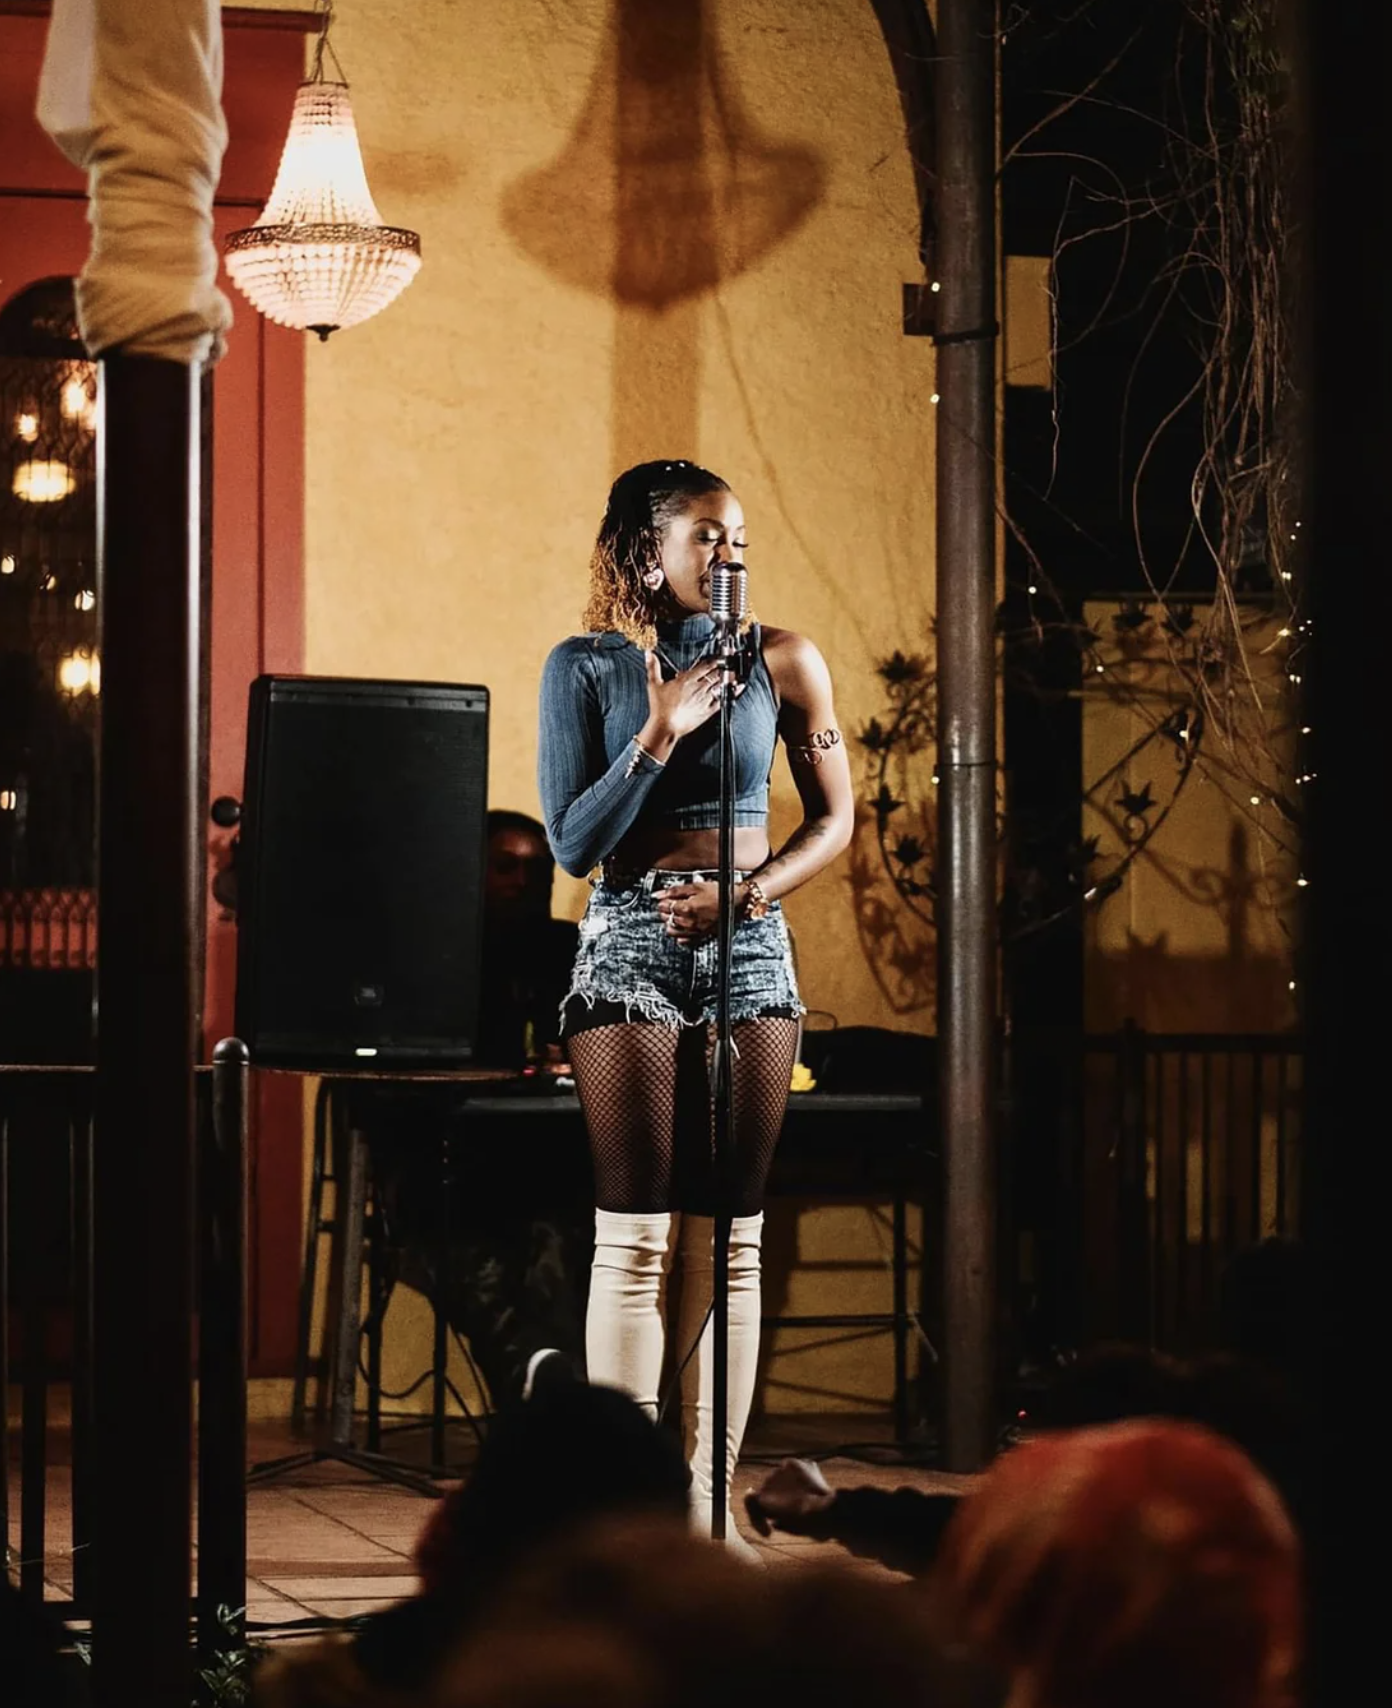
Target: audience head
x=1260, y=1301
x=1238, y=1397
x=546, y=1468
x=1147, y=1563
x=630, y=1616
x=518, y=869
x=1113, y=1381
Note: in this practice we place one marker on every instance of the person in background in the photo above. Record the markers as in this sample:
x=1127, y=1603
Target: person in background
x=527, y=954
x=903, y=1528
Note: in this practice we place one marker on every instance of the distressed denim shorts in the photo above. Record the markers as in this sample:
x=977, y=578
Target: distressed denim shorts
x=627, y=968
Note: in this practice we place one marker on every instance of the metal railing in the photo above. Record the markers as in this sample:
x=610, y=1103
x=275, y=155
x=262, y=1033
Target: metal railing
x=46, y=1274
x=1189, y=1154
x=43, y=928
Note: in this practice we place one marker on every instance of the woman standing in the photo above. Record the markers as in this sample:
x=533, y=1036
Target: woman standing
x=629, y=773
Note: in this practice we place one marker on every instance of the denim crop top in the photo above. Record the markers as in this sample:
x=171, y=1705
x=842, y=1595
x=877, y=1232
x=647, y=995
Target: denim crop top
x=595, y=785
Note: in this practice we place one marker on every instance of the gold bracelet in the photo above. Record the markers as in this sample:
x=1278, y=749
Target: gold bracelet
x=756, y=903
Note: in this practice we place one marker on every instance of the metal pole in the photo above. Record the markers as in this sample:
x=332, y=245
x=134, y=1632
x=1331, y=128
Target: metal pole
x=148, y=486
x=222, y=1354
x=966, y=600
x=80, y=1130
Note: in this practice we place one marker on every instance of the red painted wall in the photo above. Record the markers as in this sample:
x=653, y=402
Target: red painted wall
x=257, y=607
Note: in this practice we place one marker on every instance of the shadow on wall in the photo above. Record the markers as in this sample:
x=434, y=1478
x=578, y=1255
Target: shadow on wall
x=899, y=946
x=664, y=189
x=1167, y=992
x=1244, y=987
x=665, y=186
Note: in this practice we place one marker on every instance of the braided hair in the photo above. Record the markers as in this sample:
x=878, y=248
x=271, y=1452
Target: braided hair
x=643, y=501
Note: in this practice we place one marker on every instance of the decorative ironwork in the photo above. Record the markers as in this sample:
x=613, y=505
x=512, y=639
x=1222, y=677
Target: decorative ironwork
x=41, y=929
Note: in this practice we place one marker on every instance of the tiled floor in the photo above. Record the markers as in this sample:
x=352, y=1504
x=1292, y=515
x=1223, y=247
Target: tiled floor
x=326, y=1542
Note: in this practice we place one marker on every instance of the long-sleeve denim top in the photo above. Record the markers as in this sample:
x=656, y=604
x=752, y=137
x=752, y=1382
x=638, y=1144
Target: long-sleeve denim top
x=596, y=783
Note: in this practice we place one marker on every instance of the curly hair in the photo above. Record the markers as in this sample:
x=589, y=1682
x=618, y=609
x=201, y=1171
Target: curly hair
x=642, y=502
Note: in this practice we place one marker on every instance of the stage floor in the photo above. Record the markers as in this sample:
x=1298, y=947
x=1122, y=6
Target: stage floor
x=327, y=1542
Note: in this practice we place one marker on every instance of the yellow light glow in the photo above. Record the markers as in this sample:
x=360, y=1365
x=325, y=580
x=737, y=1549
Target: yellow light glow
x=7, y=564
x=8, y=801
x=80, y=673
x=85, y=600
x=43, y=481
x=27, y=427
x=78, y=402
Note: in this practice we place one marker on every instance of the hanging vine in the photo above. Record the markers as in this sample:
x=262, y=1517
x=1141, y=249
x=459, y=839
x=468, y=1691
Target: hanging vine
x=1210, y=679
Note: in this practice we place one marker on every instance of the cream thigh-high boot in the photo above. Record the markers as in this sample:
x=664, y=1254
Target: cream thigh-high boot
x=698, y=1374
x=628, y=1288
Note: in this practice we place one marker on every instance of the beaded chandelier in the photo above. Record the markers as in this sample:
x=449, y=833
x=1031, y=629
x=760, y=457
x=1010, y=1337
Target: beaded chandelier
x=319, y=258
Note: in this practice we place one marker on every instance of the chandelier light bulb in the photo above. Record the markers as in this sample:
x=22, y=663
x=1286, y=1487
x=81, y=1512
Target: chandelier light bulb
x=80, y=673
x=319, y=258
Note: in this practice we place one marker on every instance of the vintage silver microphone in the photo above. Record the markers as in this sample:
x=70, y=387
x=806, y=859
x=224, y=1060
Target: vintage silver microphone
x=729, y=600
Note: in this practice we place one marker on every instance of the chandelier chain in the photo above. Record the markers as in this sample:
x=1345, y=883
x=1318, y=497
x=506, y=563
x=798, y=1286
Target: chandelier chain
x=324, y=45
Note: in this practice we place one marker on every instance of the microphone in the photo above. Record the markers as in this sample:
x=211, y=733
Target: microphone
x=729, y=595
x=729, y=600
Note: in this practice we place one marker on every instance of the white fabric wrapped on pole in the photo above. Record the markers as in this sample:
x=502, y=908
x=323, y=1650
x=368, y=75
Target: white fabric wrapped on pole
x=131, y=91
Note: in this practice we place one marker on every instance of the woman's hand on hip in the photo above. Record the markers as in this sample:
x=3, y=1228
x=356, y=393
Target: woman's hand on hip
x=691, y=912
x=690, y=699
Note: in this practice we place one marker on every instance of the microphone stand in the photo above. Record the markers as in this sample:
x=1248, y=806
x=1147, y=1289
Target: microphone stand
x=722, y=1095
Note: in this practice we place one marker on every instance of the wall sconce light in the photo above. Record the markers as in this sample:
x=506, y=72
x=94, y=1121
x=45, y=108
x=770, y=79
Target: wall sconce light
x=319, y=258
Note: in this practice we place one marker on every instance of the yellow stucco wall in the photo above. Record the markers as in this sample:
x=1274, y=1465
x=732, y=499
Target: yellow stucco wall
x=692, y=244
x=1199, y=938
x=460, y=444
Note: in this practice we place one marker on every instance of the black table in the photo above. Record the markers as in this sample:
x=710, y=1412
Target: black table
x=833, y=1145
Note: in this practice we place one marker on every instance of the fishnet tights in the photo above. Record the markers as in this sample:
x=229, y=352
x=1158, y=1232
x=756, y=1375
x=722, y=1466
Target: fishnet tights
x=645, y=1090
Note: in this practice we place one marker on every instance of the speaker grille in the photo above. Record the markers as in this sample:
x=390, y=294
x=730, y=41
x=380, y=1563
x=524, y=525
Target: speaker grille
x=361, y=871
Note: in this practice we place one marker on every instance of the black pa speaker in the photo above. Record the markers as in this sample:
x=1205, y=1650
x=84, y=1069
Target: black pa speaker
x=360, y=872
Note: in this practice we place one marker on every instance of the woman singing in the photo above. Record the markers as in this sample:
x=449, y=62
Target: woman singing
x=629, y=772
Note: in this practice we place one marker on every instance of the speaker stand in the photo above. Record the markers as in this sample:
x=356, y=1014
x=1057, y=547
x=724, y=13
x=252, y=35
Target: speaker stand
x=339, y=1449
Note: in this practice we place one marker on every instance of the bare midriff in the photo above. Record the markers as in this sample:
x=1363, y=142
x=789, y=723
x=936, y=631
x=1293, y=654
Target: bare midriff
x=689, y=850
